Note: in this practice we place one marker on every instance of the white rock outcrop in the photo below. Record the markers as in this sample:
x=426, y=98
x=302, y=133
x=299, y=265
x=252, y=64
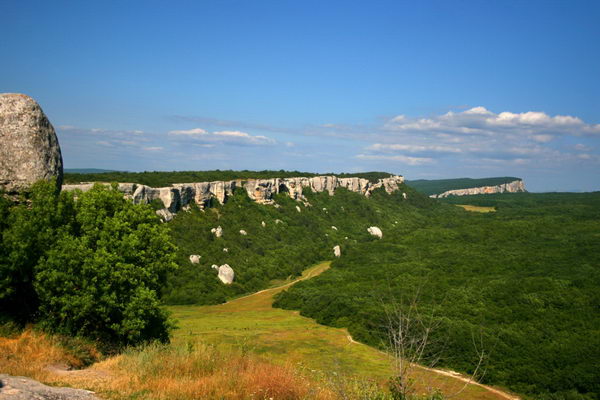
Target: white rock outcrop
x=218, y=231
x=225, y=250
x=178, y=196
x=165, y=215
x=226, y=274
x=243, y=232
x=298, y=209
x=263, y=224
x=375, y=231
x=195, y=258
x=334, y=228
x=510, y=187
x=337, y=251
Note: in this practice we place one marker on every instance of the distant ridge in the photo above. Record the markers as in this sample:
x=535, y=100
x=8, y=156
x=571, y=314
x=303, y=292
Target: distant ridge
x=88, y=170
x=438, y=186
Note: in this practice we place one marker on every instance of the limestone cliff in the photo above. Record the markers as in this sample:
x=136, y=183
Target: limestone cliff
x=181, y=195
x=510, y=187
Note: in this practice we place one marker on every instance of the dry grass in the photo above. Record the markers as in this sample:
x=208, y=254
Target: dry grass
x=156, y=371
x=30, y=353
x=199, y=371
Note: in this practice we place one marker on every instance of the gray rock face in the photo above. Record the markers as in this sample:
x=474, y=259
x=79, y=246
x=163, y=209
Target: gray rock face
x=226, y=274
x=21, y=388
x=510, y=187
x=29, y=149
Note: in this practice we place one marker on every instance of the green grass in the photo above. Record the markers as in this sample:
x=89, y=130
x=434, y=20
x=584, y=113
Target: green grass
x=480, y=209
x=251, y=324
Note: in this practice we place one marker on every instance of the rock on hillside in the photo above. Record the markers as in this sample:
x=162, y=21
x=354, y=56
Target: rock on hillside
x=29, y=149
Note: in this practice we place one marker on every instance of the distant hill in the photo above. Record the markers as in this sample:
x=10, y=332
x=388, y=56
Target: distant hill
x=87, y=170
x=437, y=186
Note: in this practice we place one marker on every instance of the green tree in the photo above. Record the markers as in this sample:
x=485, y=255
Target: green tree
x=27, y=231
x=103, y=276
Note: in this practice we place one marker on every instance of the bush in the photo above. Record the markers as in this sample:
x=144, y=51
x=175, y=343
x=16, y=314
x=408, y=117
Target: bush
x=91, y=267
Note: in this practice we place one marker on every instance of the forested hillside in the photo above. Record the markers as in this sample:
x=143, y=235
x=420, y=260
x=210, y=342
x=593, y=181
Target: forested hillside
x=293, y=236
x=521, y=282
x=436, y=186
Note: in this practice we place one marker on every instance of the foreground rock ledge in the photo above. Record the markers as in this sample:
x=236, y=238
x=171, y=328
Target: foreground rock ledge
x=21, y=388
x=29, y=149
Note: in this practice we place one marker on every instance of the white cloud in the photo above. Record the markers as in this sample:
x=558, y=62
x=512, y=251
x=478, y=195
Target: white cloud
x=542, y=138
x=196, y=131
x=582, y=147
x=153, y=148
x=399, y=158
x=539, y=126
x=225, y=137
x=413, y=148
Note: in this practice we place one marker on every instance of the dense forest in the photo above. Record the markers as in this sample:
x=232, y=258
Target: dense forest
x=437, y=186
x=162, y=178
x=524, y=280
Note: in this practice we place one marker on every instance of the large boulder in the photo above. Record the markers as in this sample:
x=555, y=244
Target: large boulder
x=226, y=274
x=29, y=149
x=375, y=231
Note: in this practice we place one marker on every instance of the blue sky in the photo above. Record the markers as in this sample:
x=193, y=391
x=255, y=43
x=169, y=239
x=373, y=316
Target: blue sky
x=426, y=89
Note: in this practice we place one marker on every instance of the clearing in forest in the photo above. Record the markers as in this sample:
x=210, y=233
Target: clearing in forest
x=251, y=324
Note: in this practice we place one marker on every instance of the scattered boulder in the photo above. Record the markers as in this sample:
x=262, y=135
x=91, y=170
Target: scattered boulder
x=263, y=224
x=375, y=231
x=218, y=231
x=298, y=209
x=278, y=221
x=243, y=232
x=214, y=266
x=334, y=228
x=225, y=250
x=226, y=274
x=29, y=149
x=404, y=196
x=164, y=214
x=337, y=251
x=195, y=258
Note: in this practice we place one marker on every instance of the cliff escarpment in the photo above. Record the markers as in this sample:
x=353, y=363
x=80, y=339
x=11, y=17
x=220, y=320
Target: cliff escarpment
x=509, y=187
x=180, y=196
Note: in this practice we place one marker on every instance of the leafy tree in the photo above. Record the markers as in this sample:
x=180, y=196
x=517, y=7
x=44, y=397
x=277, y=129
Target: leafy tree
x=102, y=277
x=28, y=230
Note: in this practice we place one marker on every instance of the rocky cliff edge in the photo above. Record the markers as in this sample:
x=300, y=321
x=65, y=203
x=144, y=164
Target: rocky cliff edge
x=510, y=187
x=180, y=196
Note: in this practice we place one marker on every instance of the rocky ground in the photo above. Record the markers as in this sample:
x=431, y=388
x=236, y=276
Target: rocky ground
x=21, y=388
